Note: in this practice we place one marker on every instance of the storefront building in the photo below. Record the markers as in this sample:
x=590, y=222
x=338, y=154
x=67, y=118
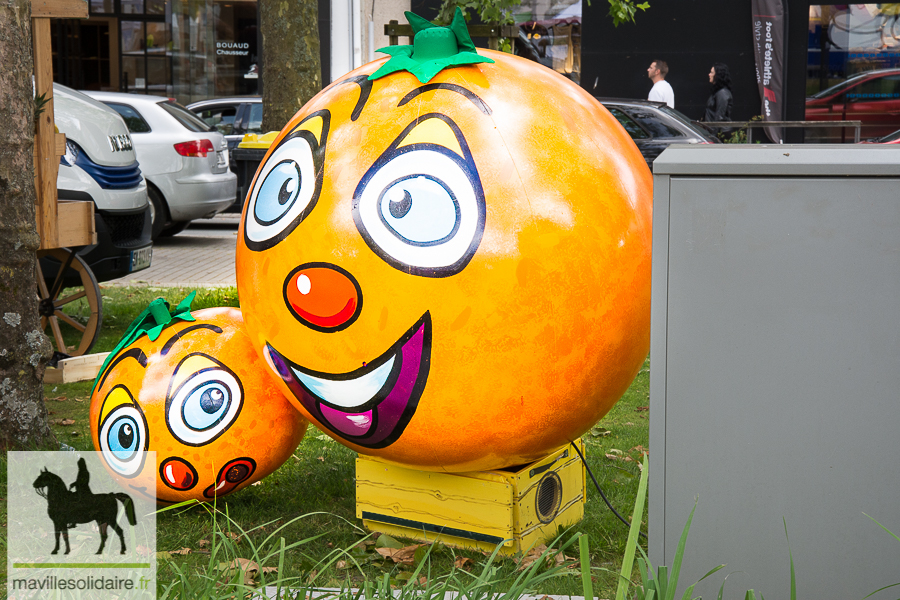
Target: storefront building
x=187, y=49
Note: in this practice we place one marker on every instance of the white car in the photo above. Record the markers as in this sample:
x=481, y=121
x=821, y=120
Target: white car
x=99, y=165
x=184, y=161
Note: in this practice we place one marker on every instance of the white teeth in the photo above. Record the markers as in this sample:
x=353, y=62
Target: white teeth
x=348, y=393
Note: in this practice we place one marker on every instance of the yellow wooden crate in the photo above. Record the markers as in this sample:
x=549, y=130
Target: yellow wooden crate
x=517, y=508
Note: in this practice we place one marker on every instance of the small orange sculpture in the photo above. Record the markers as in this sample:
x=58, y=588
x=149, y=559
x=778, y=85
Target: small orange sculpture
x=452, y=275
x=198, y=395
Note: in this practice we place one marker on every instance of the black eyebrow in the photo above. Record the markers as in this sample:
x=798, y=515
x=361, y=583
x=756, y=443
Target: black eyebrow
x=365, y=88
x=180, y=334
x=450, y=87
x=135, y=353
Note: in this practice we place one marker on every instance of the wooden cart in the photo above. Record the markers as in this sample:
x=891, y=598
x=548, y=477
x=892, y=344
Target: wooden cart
x=61, y=224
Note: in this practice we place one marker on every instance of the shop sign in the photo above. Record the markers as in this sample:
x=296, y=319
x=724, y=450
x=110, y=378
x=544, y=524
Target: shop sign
x=232, y=48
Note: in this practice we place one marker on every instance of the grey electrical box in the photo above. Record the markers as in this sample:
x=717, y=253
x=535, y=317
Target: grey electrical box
x=775, y=367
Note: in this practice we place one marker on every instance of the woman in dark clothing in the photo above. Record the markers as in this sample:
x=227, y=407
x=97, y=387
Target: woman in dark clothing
x=718, y=107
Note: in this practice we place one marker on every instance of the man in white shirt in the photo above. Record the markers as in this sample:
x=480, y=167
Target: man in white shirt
x=661, y=90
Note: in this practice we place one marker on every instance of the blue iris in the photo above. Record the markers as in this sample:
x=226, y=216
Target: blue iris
x=123, y=438
x=206, y=405
x=420, y=210
x=278, y=192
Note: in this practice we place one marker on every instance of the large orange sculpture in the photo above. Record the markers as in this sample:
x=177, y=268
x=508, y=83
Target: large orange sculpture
x=199, y=395
x=452, y=275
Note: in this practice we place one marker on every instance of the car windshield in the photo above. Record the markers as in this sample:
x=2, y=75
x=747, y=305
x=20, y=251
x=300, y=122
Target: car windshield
x=254, y=122
x=836, y=89
x=189, y=120
x=684, y=120
x=893, y=137
x=133, y=119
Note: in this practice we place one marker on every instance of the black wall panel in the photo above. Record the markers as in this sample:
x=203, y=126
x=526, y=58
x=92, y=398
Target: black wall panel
x=690, y=35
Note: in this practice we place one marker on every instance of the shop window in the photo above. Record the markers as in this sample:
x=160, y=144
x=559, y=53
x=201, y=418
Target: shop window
x=102, y=6
x=551, y=35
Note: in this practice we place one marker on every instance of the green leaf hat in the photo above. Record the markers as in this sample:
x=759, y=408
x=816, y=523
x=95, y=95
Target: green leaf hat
x=434, y=48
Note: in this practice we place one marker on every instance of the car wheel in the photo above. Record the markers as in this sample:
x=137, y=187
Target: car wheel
x=174, y=229
x=158, y=212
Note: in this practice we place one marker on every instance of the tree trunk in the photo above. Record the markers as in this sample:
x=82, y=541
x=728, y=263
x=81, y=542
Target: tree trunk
x=291, y=73
x=23, y=347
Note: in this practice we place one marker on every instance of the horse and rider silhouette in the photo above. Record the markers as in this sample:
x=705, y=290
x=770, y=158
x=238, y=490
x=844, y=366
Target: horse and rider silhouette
x=68, y=508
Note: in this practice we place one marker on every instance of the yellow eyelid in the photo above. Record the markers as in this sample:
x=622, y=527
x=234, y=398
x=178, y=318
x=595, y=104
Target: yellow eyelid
x=433, y=131
x=189, y=367
x=314, y=125
x=116, y=398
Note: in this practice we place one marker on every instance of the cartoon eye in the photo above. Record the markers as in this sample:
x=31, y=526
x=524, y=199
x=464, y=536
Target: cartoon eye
x=204, y=406
x=285, y=192
x=124, y=440
x=421, y=209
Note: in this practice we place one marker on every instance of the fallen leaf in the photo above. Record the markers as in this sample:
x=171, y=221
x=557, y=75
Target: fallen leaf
x=600, y=432
x=615, y=451
x=58, y=399
x=330, y=545
x=423, y=580
x=462, y=562
x=74, y=433
x=203, y=543
x=405, y=555
x=163, y=555
x=642, y=408
x=386, y=541
x=256, y=483
x=640, y=450
x=613, y=457
x=62, y=422
x=182, y=552
x=322, y=458
x=533, y=555
x=341, y=564
x=80, y=399
x=233, y=537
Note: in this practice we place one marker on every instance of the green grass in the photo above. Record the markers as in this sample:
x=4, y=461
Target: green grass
x=318, y=482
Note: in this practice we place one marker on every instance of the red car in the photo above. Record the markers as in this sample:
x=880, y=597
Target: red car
x=872, y=97
x=893, y=138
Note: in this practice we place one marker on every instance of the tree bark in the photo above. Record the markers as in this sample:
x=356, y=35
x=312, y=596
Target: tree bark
x=291, y=72
x=23, y=347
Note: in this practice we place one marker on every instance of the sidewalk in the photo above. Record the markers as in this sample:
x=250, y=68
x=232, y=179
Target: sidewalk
x=199, y=257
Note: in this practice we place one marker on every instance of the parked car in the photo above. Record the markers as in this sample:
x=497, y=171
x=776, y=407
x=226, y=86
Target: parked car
x=233, y=117
x=893, y=138
x=872, y=97
x=100, y=166
x=184, y=161
x=654, y=126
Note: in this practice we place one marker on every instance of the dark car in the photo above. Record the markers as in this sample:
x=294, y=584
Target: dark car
x=654, y=126
x=233, y=117
x=872, y=97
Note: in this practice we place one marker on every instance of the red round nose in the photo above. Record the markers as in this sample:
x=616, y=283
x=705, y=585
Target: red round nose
x=323, y=296
x=178, y=473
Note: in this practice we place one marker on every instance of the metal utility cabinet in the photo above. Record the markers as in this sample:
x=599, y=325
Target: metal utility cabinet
x=775, y=367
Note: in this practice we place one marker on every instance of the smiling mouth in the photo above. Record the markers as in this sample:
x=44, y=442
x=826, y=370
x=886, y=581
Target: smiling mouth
x=372, y=405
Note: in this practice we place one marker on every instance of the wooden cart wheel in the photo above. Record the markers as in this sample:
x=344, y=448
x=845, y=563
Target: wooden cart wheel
x=84, y=326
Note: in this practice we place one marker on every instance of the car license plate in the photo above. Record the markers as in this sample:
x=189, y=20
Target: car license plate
x=140, y=259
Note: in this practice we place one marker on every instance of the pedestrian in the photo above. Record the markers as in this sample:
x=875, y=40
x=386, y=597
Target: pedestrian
x=661, y=90
x=718, y=106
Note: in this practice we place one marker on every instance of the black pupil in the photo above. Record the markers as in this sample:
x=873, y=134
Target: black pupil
x=211, y=400
x=399, y=209
x=284, y=194
x=126, y=436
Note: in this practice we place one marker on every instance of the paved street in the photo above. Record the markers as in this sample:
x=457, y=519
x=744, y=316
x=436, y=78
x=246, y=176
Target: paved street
x=200, y=256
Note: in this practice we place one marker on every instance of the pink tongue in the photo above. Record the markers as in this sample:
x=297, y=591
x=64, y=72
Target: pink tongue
x=348, y=423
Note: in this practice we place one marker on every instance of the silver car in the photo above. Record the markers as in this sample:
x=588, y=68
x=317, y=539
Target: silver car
x=184, y=161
